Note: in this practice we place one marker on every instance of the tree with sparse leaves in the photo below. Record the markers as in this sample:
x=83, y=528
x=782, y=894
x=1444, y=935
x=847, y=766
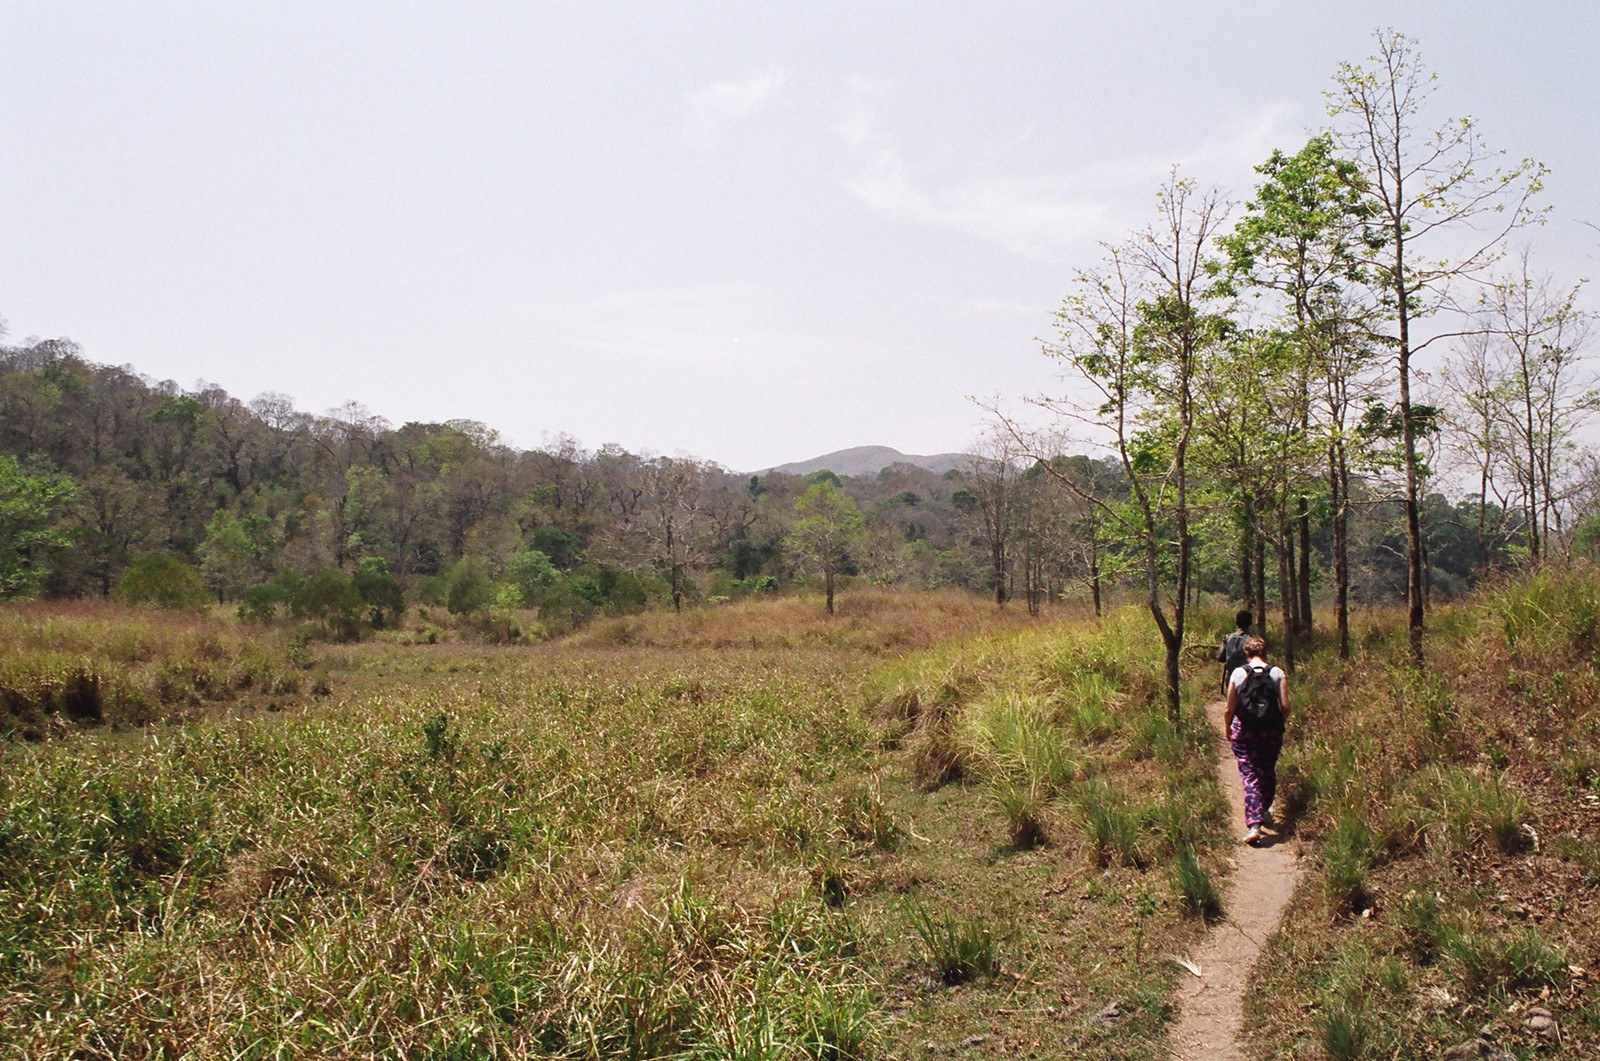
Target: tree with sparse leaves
x=1441, y=208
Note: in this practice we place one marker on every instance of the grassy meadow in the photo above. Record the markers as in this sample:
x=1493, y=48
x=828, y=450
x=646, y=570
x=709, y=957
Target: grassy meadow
x=922, y=828
x=745, y=832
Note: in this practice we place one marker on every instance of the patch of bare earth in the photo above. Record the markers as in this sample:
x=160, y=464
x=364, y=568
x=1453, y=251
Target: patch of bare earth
x=1210, y=1004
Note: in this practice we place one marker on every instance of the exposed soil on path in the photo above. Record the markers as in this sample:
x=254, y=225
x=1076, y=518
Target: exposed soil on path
x=1210, y=1005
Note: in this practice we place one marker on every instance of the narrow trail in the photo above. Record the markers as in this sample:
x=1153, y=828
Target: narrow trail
x=1210, y=1005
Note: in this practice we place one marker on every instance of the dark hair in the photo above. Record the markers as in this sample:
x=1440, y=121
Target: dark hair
x=1255, y=646
x=1244, y=618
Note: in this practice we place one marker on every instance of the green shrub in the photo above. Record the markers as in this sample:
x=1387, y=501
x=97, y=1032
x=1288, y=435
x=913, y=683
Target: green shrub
x=385, y=600
x=330, y=599
x=164, y=580
x=533, y=574
x=467, y=587
x=261, y=603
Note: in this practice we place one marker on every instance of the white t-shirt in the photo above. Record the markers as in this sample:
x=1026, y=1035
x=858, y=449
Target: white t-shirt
x=1236, y=679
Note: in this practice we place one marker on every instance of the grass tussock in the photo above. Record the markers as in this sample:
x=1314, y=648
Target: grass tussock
x=1451, y=814
x=959, y=948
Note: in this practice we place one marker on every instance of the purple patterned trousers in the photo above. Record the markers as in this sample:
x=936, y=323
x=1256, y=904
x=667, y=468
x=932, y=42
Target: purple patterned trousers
x=1257, y=753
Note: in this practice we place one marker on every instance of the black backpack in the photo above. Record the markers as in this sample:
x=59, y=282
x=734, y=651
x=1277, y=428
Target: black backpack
x=1233, y=656
x=1258, y=707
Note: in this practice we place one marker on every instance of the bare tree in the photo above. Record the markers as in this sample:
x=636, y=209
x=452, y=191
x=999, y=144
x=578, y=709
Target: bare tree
x=1519, y=393
x=1442, y=207
x=993, y=481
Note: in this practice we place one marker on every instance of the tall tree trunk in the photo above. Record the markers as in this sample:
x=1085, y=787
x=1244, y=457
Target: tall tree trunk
x=1247, y=545
x=1535, y=530
x=1261, y=571
x=1305, y=569
x=1408, y=436
x=1094, y=560
x=1339, y=488
x=1286, y=592
x=1289, y=590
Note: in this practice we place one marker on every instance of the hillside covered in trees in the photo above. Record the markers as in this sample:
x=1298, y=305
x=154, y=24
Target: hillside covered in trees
x=110, y=480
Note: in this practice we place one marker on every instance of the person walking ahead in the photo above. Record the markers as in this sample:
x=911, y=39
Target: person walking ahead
x=1231, y=654
x=1257, y=708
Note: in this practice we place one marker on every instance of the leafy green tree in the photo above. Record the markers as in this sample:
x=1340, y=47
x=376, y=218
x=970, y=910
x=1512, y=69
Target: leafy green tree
x=1136, y=332
x=116, y=516
x=31, y=507
x=330, y=599
x=162, y=579
x=1300, y=238
x=229, y=558
x=564, y=548
x=533, y=573
x=827, y=526
x=384, y=598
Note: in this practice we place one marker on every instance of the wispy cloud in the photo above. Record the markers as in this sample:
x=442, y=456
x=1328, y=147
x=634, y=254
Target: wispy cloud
x=714, y=107
x=1035, y=217
x=1045, y=217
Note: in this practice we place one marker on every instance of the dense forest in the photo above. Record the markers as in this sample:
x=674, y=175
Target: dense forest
x=1258, y=429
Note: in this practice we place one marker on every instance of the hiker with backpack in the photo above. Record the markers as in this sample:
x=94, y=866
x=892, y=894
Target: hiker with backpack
x=1231, y=654
x=1258, y=706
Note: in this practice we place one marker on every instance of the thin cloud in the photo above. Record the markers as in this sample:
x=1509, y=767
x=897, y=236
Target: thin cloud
x=718, y=105
x=1035, y=218
x=1047, y=218
x=859, y=122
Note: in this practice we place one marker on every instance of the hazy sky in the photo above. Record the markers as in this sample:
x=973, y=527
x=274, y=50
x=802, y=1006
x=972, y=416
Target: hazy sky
x=751, y=233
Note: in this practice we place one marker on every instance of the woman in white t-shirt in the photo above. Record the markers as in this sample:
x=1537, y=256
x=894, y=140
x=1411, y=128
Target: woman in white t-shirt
x=1254, y=721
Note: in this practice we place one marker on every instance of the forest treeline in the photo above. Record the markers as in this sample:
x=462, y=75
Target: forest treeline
x=1258, y=426
x=111, y=483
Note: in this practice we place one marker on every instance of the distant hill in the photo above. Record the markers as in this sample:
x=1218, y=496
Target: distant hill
x=870, y=460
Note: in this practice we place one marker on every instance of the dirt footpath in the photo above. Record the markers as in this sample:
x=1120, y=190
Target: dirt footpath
x=1209, y=1005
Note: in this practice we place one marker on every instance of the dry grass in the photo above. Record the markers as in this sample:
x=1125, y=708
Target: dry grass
x=665, y=845
x=67, y=665
x=870, y=620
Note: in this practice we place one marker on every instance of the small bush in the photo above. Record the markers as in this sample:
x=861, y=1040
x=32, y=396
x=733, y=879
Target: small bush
x=164, y=580
x=329, y=599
